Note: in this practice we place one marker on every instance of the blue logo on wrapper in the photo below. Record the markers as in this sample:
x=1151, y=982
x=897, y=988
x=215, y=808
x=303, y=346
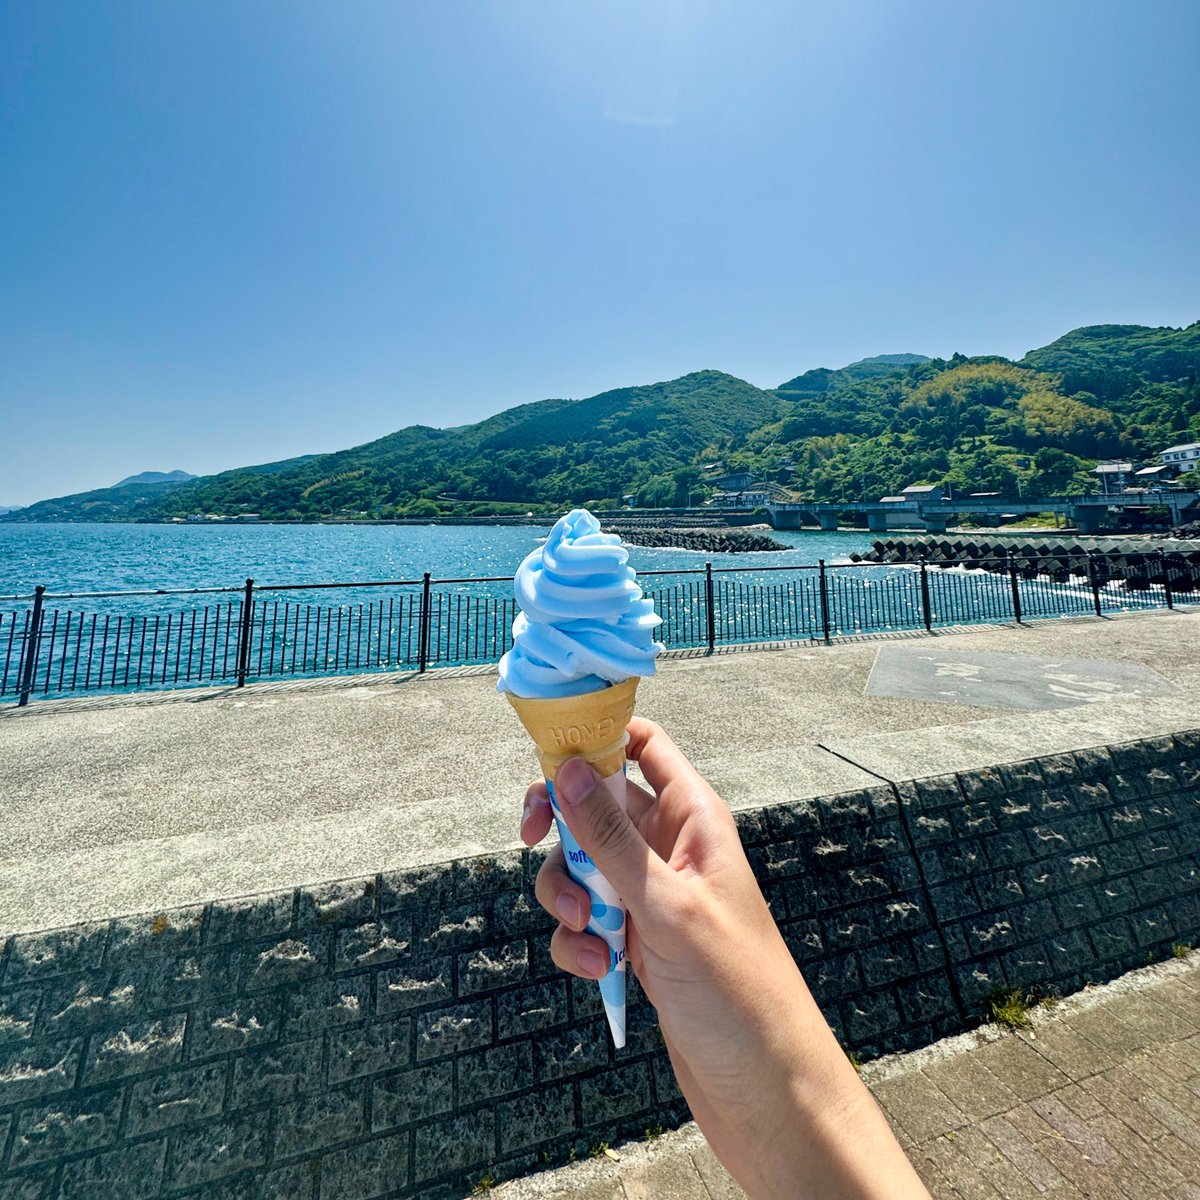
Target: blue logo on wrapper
x=607, y=920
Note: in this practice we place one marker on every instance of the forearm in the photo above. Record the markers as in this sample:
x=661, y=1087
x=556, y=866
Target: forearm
x=836, y=1143
x=804, y=1125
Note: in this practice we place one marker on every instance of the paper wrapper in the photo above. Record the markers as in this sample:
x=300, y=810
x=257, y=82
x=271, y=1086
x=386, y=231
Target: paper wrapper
x=592, y=727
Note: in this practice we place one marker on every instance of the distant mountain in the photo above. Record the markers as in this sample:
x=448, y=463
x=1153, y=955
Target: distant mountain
x=156, y=477
x=821, y=379
x=128, y=500
x=7, y=508
x=863, y=430
x=888, y=361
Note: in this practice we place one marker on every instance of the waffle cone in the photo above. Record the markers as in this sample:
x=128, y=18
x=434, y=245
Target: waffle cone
x=591, y=726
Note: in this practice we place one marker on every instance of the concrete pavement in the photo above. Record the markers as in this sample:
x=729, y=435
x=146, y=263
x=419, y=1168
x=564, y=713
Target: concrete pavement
x=130, y=804
x=1098, y=1098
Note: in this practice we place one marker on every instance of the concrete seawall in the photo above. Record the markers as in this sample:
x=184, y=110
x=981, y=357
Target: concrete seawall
x=403, y=1033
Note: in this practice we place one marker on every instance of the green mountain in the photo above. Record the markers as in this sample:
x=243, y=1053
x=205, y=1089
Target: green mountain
x=822, y=378
x=865, y=430
x=1108, y=359
x=539, y=455
x=156, y=477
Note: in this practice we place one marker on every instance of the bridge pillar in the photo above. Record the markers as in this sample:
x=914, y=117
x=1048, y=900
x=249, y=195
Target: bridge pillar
x=828, y=521
x=934, y=522
x=784, y=518
x=877, y=522
x=1088, y=518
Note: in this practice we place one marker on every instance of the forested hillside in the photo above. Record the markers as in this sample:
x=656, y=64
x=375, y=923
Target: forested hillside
x=869, y=429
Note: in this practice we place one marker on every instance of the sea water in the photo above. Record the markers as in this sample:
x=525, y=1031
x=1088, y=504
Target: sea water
x=118, y=557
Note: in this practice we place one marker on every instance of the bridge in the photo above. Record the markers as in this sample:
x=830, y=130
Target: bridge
x=1089, y=514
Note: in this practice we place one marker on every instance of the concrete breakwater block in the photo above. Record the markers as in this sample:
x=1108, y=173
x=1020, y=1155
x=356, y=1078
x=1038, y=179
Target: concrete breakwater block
x=1137, y=565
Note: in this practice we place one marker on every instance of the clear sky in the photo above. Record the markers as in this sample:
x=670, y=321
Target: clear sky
x=234, y=232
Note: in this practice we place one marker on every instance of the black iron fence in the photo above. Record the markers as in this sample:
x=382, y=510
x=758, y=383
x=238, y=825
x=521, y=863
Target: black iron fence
x=235, y=635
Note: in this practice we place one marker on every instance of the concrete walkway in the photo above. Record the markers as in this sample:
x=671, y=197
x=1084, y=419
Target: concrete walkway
x=1098, y=1098
x=118, y=805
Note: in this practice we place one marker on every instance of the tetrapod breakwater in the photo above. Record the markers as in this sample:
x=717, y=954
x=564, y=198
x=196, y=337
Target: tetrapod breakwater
x=1135, y=564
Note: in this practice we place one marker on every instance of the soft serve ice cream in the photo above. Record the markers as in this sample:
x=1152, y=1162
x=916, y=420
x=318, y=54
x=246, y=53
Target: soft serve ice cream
x=584, y=636
x=583, y=622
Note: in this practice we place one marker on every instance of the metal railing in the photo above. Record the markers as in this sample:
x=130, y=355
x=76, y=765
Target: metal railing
x=254, y=632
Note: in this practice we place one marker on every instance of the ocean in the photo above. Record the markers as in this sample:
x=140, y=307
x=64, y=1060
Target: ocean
x=105, y=558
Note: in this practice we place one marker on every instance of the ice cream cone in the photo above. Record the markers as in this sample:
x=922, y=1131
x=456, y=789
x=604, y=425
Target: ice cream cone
x=590, y=726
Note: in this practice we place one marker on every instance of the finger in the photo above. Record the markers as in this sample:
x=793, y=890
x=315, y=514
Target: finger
x=608, y=837
x=536, y=818
x=559, y=894
x=661, y=761
x=581, y=954
x=638, y=801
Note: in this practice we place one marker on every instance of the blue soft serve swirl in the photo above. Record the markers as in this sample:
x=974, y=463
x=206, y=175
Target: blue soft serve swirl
x=583, y=622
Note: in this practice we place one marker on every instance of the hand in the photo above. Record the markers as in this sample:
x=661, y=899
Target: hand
x=765, y=1078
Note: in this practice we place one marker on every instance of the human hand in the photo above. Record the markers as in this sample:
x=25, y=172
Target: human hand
x=758, y=1064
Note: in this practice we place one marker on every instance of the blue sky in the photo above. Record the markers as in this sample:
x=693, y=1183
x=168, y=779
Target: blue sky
x=235, y=232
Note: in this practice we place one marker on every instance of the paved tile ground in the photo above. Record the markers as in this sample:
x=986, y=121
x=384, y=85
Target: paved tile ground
x=1099, y=1098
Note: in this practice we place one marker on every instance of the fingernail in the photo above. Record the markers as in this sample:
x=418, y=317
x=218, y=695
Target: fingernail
x=592, y=963
x=570, y=911
x=525, y=814
x=575, y=781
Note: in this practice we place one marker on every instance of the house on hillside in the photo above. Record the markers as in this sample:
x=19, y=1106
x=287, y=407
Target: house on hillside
x=923, y=491
x=1155, y=476
x=1112, y=478
x=749, y=497
x=1184, y=457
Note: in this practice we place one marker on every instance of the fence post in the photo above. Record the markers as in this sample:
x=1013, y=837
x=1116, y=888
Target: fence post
x=243, y=664
x=925, y=608
x=1016, y=591
x=423, y=651
x=824, y=600
x=1091, y=562
x=31, y=647
x=710, y=607
x=1166, y=580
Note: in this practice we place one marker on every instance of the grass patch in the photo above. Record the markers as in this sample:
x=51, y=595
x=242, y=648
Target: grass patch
x=1180, y=950
x=1011, y=1008
x=484, y=1185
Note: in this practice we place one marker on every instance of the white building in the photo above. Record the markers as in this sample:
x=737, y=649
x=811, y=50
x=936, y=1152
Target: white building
x=1185, y=457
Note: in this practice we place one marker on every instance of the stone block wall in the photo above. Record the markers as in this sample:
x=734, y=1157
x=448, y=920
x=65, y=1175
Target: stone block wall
x=1062, y=870
x=406, y=1035
x=846, y=891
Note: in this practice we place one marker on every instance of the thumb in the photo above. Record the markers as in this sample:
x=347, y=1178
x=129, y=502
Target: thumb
x=604, y=830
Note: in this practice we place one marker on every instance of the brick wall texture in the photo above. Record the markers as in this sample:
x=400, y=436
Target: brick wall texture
x=406, y=1035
